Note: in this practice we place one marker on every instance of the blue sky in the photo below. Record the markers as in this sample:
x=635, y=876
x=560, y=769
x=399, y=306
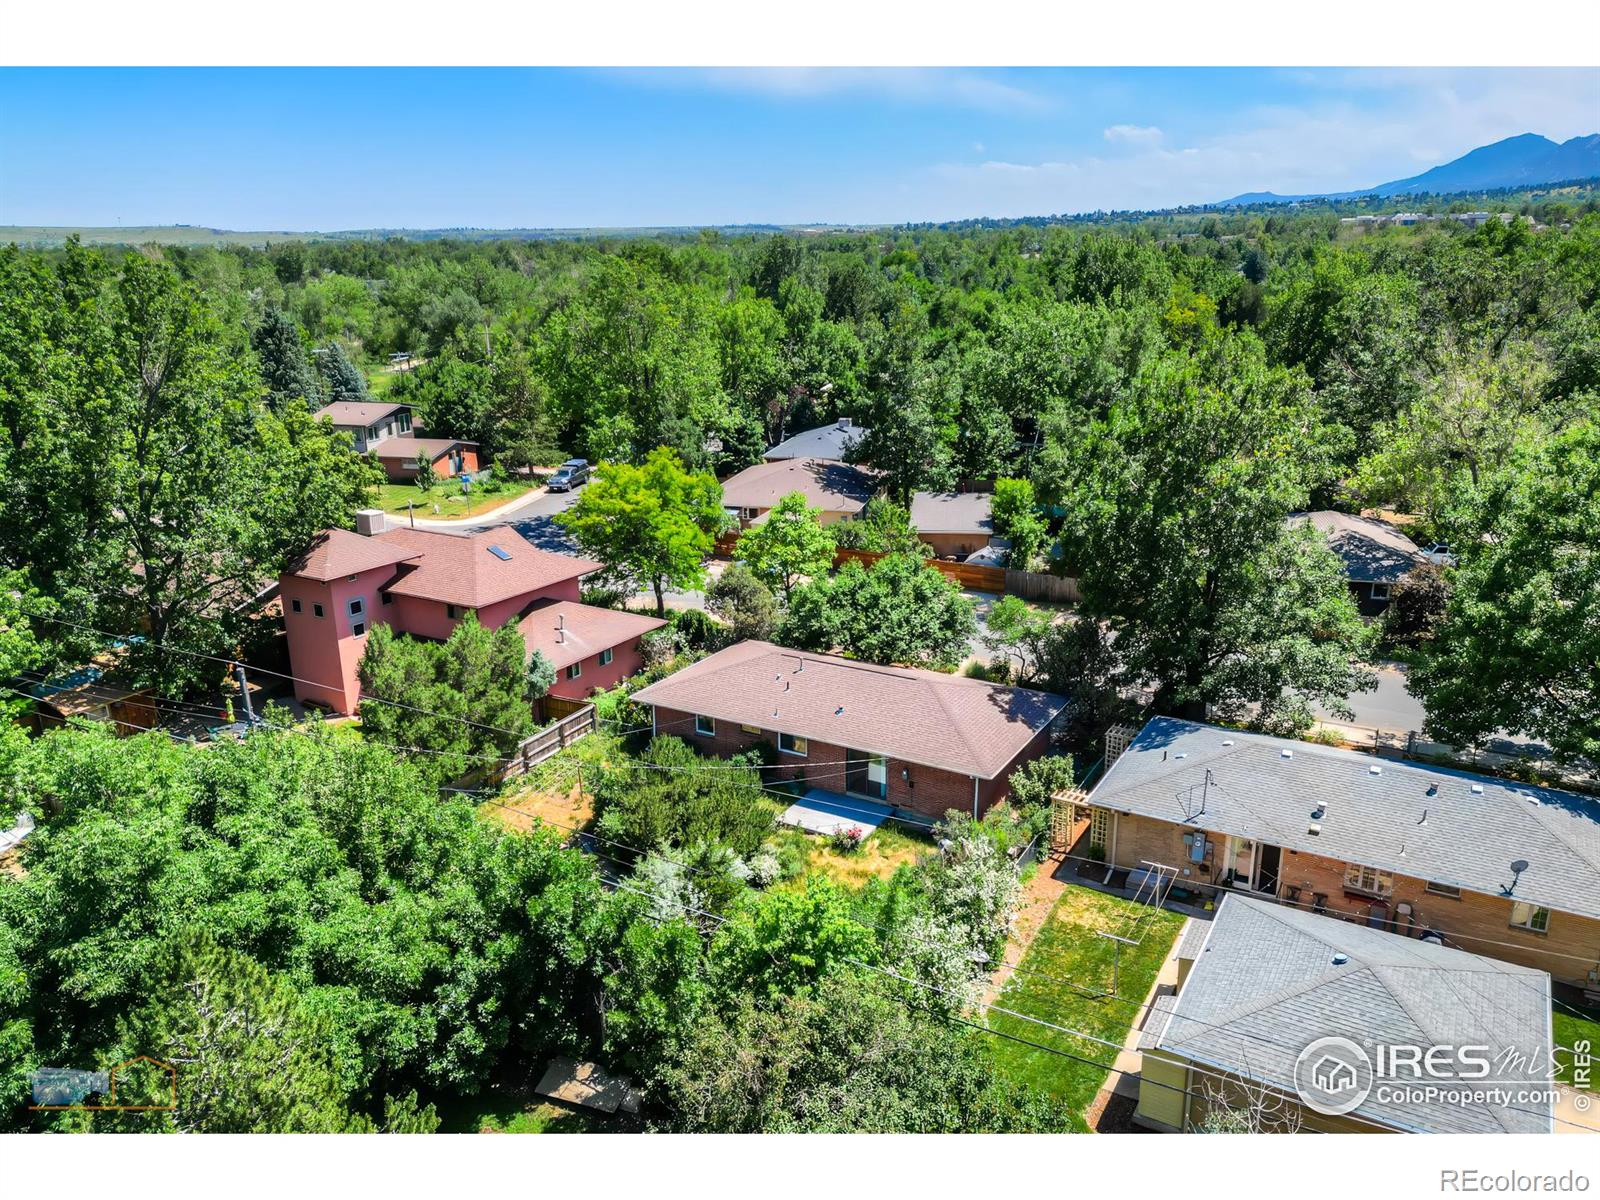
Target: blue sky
x=331, y=149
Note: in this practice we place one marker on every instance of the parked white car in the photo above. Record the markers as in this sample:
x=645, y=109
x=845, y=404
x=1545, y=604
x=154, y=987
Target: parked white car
x=1439, y=555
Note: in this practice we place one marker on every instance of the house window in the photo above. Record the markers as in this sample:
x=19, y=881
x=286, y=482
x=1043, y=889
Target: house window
x=751, y=728
x=316, y=610
x=1530, y=917
x=295, y=604
x=1367, y=879
x=790, y=744
x=605, y=657
x=1380, y=591
x=386, y=598
x=357, y=628
x=705, y=726
x=575, y=670
x=451, y=611
x=1448, y=890
x=358, y=606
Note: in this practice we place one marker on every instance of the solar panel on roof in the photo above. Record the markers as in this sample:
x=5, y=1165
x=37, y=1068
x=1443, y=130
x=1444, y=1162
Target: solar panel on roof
x=503, y=555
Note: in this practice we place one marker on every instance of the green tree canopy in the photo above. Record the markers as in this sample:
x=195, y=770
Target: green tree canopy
x=791, y=544
x=652, y=524
x=898, y=611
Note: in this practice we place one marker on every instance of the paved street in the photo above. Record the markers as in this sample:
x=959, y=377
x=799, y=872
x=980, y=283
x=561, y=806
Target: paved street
x=1389, y=707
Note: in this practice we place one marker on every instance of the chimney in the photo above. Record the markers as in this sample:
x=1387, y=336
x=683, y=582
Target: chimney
x=370, y=521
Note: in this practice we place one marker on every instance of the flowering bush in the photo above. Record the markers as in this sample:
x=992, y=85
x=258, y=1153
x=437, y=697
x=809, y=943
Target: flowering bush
x=848, y=841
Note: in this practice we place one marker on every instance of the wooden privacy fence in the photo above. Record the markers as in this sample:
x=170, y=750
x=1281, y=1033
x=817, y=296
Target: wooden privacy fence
x=548, y=742
x=1030, y=585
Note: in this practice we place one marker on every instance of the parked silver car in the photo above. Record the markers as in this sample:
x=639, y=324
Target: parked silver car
x=570, y=474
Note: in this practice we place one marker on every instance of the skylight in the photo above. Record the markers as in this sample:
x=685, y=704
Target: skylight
x=502, y=555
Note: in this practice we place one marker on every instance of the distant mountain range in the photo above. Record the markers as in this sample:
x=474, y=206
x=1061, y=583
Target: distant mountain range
x=1522, y=161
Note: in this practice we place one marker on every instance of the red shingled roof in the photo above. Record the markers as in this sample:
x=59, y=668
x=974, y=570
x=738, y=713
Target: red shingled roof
x=356, y=412
x=944, y=721
x=335, y=553
x=462, y=570
x=586, y=630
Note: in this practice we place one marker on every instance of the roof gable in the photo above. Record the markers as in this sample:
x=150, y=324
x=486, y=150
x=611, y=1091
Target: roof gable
x=335, y=553
x=831, y=486
x=452, y=569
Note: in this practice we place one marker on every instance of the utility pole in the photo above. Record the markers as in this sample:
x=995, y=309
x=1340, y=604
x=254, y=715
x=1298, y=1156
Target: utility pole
x=244, y=695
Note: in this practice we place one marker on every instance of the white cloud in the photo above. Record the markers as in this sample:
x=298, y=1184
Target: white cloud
x=1386, y=125
x=1134, y=135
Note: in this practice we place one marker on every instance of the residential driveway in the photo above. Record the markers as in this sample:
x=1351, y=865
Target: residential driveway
x=982, y=602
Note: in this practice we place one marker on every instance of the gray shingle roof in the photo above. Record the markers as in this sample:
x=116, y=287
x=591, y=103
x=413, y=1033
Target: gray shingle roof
x=951, y=512
x=825, y=442
x=1427, y=822
x=1372, y=551
x=1266, y=985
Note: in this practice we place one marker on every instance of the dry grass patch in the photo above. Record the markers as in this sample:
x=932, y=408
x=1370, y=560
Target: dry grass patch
x=568, y=810
x=879, y=857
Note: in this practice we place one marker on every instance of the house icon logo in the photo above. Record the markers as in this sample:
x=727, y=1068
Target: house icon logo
x=1333, y=1076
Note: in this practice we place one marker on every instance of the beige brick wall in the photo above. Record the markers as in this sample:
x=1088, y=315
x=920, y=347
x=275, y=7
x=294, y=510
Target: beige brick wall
x=1475, y=922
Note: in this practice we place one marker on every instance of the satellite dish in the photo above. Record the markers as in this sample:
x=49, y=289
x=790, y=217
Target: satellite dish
x=1518, y=867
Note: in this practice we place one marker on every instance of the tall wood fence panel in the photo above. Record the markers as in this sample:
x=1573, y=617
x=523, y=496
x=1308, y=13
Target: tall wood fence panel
x=1028, y=584
x=549, y=741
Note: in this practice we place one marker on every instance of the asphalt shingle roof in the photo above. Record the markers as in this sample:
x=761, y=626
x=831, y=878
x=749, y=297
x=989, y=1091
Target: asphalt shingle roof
x=406, y=448
x=1372, y=551
x=830, y=486
x=1266, y=985
x=465, y=570
x=951, y=512
x=335, y=553
x=824, y=442
x=945, y=721
x=586, y=630
x=357, y=412
x=1414, y=819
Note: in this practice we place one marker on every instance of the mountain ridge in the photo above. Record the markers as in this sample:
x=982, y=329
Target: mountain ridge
x=1523, y=160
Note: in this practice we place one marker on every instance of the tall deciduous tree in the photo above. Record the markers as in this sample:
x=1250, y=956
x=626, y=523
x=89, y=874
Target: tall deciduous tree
x=899, y=611
x=1519, y=645
x=653, y=524
x=1176, y=513
x=790, y=545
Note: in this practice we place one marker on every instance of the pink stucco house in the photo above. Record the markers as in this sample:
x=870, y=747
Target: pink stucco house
x=422, y=583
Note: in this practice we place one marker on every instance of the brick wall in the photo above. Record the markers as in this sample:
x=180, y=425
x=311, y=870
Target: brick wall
x=923, y=790
x=1475, y=922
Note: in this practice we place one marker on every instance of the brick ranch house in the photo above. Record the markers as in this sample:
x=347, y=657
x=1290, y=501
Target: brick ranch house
x=421, y=582
x=1493, y=866
x=386, y=431
x=915, y=740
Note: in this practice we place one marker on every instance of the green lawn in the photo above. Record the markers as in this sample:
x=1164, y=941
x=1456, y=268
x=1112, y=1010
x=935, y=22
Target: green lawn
x=1068, y=949
x=1569, y=1030
x=393, y=498
x=883, y=853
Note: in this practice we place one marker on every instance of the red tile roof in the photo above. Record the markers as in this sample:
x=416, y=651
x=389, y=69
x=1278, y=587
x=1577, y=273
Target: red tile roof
x=586, y=630
x=463, y=570
x=944, y=721
x=335, y=553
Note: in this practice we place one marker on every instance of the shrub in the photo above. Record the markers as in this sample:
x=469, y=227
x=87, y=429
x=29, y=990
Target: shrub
x=766, y=868
x=744, y=602
x=848, y=841
x=697, y=630
x=604, y=597
x=676, y=798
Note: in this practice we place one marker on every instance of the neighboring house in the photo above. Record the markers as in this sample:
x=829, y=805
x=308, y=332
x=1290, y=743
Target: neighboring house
x=838, y=489
x=94, y=693
x=912, y=739
x=827, y=443
x=1499, y=867
x=422, y=583
x=386, y=431
x=591, y=648
x=1376, y=555
x=955, y=524
x=1264, y=982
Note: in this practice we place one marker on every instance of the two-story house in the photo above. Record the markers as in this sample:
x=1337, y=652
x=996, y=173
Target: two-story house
x=421, y=582
x=387, y=432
